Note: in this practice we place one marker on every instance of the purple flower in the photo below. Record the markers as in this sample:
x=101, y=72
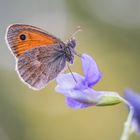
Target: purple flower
x=77, y=88
x=134, y=99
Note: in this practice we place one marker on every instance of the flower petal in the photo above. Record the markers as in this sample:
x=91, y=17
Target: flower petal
x=91, y=71
x=81, y=99
x=66, y=81
x=83, y=95
x=134, y=99
x=76, y=104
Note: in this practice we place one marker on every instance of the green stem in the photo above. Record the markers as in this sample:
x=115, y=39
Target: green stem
x=127, y=124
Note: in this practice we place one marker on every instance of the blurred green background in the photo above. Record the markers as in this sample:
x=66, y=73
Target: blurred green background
x=111, y=34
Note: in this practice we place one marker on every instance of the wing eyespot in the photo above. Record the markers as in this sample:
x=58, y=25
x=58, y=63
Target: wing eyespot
x=23, y=37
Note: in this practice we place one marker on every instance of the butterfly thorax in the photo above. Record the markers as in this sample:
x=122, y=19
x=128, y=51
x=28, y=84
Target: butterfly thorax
x=69, y=50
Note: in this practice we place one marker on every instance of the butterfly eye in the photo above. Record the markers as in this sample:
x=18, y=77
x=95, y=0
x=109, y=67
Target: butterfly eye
x=22, y=37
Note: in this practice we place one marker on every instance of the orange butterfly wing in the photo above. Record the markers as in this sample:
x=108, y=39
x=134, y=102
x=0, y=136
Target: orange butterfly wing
x=21, y=38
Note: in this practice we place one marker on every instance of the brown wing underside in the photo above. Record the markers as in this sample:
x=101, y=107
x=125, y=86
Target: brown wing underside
x=38, y=66
x=24, y=37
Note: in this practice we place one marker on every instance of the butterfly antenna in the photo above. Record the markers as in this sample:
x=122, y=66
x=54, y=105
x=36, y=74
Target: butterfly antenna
x=78, y=29
x=72, y=73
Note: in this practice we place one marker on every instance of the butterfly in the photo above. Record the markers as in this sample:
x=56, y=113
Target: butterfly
x=40, y=56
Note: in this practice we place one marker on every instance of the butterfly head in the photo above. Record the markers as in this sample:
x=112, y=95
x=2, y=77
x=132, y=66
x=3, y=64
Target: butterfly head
x=71, y=43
